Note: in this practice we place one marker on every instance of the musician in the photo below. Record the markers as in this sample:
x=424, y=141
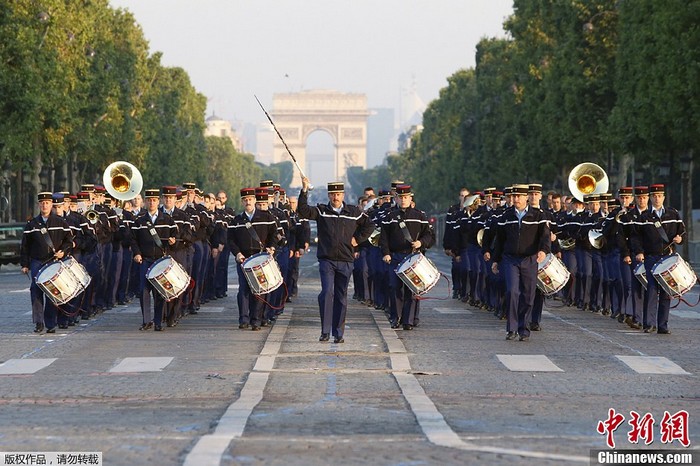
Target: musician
x=201, y=224
x=626, y=198
x=276, y=206
x=495, y=282
x=654, y=237
x=616, y=247
x=405, y=230
x=110, y=225
x=341, y=227
x=179, y=250
x=534, y=199
x=522, y=241
x=449, y=241
x=630, y=221
x=380, y=273
x=154, y=233
x=134, y=280
x=126, y=221
x=251, y=232
x=46, y=237
x=299, y=233
x=226, y=214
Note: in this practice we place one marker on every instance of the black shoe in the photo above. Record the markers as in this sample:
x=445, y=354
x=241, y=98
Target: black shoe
x=263, y=323
x=51, y=330
x=289, y=300
x=158, y=328
x=63, y=326
x=394, y=324
x=338, y=340
x=407, y=327
x=324, y=337
x=38, y=328
x=511, y=336
x=255, y=328
x=663, y=331
x=635, y=325
x=621, y=318
x=147, y=326
x=606, y=312
x=524, y=338
x=243, y=326
x=651, y=329
x=122, y=303
x=71, y=324
x=535, y=327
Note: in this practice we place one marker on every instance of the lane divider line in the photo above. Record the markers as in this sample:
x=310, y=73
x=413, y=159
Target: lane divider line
x=430, y=420
x=209, y=448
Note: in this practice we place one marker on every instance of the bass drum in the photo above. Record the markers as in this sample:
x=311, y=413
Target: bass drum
x=552, y=275
x=418, y=273
x=674, y=275
x=262, y=273
x=58, y=283
x=168, y=277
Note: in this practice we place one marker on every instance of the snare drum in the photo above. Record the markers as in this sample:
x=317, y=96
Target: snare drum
x=674, y=275
x=58, y=283
x=552, y=275
x=168, y=277
x=78, y=270
x=262, y=273
x=418, y=273
x=641, y=273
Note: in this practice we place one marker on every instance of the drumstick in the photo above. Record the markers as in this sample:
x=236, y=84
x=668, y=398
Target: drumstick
x=671, y=243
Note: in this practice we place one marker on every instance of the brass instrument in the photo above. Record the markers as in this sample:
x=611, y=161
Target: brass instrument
x=374, y=237
x=567, y=244
x=122, y=180
x=93, y=216
x=587, y=178
x=470, y=201
x=622, y=212
x=480, y=236
x=596, y=238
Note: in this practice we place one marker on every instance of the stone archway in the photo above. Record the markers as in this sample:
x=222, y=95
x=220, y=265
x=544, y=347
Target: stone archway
x=342, y=115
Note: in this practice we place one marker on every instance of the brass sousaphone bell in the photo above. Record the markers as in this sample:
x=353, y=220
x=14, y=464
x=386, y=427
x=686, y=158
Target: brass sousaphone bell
x=587, y=178
x=122, y=180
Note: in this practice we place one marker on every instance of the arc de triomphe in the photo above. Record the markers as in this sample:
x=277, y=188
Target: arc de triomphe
x=343, y=116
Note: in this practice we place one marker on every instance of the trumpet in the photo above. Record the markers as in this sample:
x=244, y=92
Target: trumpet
x=567, y=244
x=93, y=216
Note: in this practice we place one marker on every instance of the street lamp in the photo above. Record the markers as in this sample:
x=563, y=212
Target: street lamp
x=686, y=166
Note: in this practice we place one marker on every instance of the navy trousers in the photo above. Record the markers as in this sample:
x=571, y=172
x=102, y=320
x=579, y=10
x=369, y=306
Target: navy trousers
x=333, y=299
x=520, y=274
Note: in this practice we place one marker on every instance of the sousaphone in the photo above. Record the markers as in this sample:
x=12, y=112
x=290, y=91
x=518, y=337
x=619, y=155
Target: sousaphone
x=587, y=178
x=122, y=180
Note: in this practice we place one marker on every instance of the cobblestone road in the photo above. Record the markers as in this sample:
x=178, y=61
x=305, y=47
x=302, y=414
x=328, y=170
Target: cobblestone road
x=448, y=392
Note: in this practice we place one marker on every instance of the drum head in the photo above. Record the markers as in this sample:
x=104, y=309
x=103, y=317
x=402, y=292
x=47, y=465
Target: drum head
x=159, y=267
x=408, y=262
x=48, y=271
x=256, y=260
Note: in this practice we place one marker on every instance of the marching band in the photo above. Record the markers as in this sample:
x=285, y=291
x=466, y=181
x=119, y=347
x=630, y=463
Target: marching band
x=613, y=256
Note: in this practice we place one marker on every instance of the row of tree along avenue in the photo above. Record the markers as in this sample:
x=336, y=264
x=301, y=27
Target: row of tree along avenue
x=79, y=89
x=608, y=81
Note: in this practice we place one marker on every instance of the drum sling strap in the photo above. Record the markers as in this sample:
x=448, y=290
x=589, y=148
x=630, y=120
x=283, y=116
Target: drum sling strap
x=45, y=233
x=404, y=229
x=661, y=231
x=156, y=238
x=254, y=234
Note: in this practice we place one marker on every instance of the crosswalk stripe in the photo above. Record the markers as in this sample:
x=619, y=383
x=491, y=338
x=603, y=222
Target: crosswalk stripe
x=652, y=365
x=528, y=363
x=453, y=311
x=141, y=365
x=24, y=366
x=23, y=290
x=686, y=314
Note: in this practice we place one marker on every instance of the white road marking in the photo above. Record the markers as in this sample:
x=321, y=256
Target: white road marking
x=686, y=314
x=652, y=365
x=142, y=364
x=528, y=363
x=24, y=366
x=23, y=290
x=210, y=447
x=453, y=311
x=429, y=418
x=211, y=309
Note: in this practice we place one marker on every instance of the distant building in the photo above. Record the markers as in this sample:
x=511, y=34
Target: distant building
x=380, y=135
x=406, y=138
x=222, y=128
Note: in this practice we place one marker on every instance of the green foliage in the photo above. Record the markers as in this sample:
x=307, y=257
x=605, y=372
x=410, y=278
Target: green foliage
x=586, y=80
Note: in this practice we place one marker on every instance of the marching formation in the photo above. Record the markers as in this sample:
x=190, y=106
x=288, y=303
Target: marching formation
x=86, y=253
x=510, y=253
x=611, y=256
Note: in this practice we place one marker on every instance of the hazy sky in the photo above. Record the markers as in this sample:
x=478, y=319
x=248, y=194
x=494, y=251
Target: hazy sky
x=233, y=49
